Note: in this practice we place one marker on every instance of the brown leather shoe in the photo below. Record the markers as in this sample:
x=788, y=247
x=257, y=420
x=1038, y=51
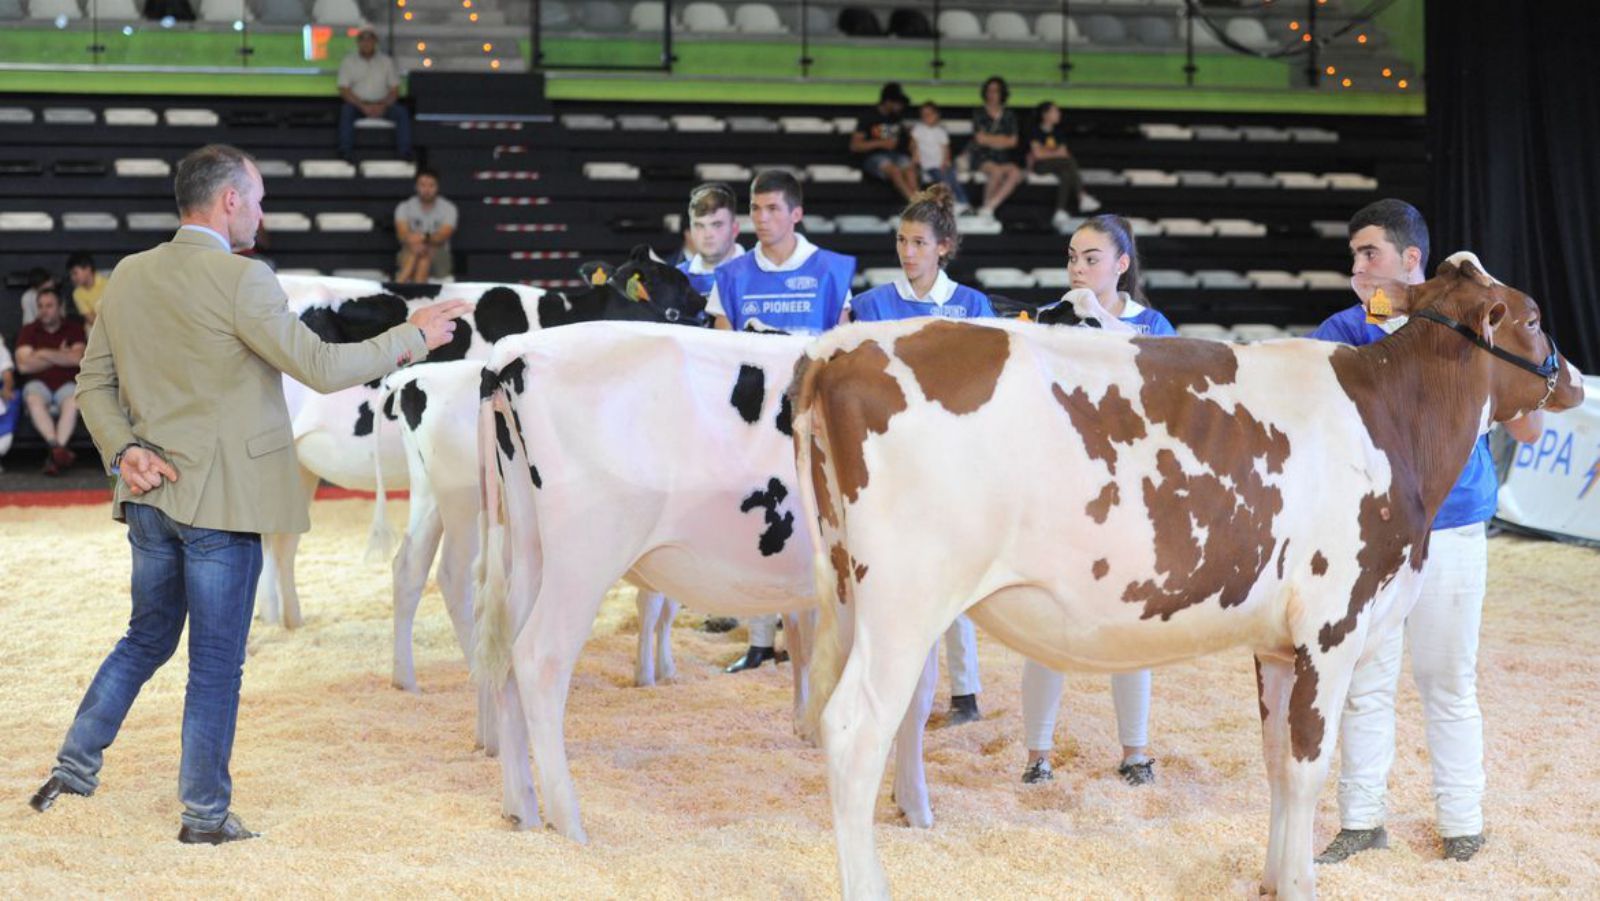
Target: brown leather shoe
x=231, y=830
x=48, y=792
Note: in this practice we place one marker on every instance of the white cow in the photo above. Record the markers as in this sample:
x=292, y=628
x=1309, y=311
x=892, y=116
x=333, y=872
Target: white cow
x=1144, y=501
x=611, y=451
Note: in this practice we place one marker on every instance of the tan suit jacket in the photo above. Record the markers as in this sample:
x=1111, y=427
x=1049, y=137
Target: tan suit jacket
x=185, y=360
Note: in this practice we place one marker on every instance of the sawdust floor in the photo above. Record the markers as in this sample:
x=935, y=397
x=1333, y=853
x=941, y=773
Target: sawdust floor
x=698, y=788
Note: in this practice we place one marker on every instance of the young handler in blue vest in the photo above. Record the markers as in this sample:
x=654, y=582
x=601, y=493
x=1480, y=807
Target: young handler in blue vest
x=713, y=233
x=926, y=241
x=1389, y=239
x=1101, y=258
x=787, y=284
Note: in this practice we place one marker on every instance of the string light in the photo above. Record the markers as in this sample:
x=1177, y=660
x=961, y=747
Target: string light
x=1306, y=37
x=408, y=15
x=1361, y=39
x=494, y=64
x=1402, y=84
x=1330, y=70
x=1346, y=82
x=473, y=17
x=1387, y=71
x=421, y=46
x=1294, y=25
x=427, y=63
x=487, y=47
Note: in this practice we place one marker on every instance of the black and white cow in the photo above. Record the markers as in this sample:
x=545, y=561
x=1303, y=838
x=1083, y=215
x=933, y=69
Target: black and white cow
x=335, y=435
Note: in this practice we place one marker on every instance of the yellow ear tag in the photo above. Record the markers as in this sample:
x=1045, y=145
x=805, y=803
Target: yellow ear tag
x=636, y=289
x=598, y=277
x=1024, y=317
x=1379, y=308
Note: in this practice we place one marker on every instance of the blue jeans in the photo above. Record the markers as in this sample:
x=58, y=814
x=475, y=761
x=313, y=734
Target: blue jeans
x=947, y=175
x=180, y=572
x=396, y=113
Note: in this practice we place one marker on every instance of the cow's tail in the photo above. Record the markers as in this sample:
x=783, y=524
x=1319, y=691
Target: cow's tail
x=818, y=492
x=508, y=554
x=380, y=537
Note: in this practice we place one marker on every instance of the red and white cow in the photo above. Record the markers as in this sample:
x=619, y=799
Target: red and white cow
x=656, y=454
x=1145, y=501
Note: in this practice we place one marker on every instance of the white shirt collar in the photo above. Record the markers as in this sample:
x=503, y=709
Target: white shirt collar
x=226, y=244
x=697, y=264
x=1130, y=307
x=939, y=294
x=803, y=249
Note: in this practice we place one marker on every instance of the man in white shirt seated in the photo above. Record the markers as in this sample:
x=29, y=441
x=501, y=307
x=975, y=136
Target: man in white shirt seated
x=369, y=82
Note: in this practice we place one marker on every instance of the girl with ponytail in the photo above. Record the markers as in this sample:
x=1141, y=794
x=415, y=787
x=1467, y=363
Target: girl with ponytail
x=1101, y=258
x=926, y=240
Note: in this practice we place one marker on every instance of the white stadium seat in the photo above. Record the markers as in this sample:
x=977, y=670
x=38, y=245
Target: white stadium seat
x=1043, y=178
x=1274, y=279
x=1186, y=228
x=610, y=172
x=861, y=224
x=588, y=122
x=1248, y=31
x=287, y=222
x=1258, y=331
x=830, y=172
x=224, y=11
x=336, y=12
x=275, y=168
x=699, y=124
x=978, y=225
x=327, y=169
x=758, y=18
x=1326, y=280
x=1314, y=135
x=818, y=225
x=706, y=18
x=69, y=115
x=1008, y=26
x=1150, y=178
x=805, y=125
x=958, y=128
x=116, y=10
x=26, y=222
x=1331, y=228
x=1049, y=27
x=1217, y=133
x=140, y=167
x=959, y=25
x=1208, y=330
x=752, y=124
x=1239, y=228
x=16, y=115
x=1168, y=279
x=1144, y=228
x=1052, y=277
x=1102, y=177
x=650, y=15
x=1301, y=181
x=1264, y=134
x=373, y=122
x=153, y=222
x=344, y=222
x=844, y=124
x=192, y=117
x=1005, y=277
x=1351, y=181
x=84, y=222
x=388, y=169
x=48, y=10
x=1165, y=131
x=1196, y=178
x=643, y=123
x=1221, y=278
x=729, y=172
x=1251, y=180
x=131, y=115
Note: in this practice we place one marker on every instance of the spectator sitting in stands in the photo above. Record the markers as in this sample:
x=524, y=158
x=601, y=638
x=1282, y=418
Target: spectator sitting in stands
x=994, y=142
x=87, y=286
x=370, y=86
x=713, y=233
x=879, y=140
x=424, y=223
x=930, y=144
x=9, y=408
x=38, y=279
x=1048, y=154
x=49, y=350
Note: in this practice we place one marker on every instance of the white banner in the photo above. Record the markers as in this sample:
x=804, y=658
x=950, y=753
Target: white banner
x=1554, y=483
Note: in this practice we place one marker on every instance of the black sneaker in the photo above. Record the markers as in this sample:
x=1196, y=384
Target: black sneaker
x=1353, y=841
x=1038, y=771
x=1142, y=772
x=1462, y=847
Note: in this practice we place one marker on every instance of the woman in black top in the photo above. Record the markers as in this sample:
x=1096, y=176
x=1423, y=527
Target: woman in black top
x=1048, y=154
x=994, y=144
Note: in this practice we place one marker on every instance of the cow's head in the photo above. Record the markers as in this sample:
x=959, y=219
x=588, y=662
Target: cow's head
x=660, y=288
x=1526, y=371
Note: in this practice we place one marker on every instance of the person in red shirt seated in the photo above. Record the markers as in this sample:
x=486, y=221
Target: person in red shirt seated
x=49, y=350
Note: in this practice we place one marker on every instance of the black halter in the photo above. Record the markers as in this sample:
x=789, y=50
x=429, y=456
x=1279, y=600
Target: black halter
x=1549, y=370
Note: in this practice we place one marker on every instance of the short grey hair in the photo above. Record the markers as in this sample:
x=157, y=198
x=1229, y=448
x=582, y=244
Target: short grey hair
x=205, y=172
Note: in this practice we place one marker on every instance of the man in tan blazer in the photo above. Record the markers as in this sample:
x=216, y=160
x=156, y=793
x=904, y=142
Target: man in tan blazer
x=181, y=389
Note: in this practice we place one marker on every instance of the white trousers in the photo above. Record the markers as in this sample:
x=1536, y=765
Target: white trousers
x=1041, y=701
x=961, y=656
x=763, y=630
x=1443, y=633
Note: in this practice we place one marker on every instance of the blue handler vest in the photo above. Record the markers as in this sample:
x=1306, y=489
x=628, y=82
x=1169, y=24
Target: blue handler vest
x=701, y=282
x=884, y=303
x=805, y=300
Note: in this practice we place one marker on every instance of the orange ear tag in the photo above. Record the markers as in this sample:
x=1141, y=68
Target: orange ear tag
x=1379, y=309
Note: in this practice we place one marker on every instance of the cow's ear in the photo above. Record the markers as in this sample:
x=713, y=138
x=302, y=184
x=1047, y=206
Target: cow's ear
x=1466, y=264
x=1492, y=315
x=1385, y=297
x=643, y=252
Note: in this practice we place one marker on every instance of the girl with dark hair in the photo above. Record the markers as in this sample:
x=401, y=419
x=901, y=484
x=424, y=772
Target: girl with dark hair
x=1048, y=154
x=994, y=145
x=1102, y=258
x=926, y=240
